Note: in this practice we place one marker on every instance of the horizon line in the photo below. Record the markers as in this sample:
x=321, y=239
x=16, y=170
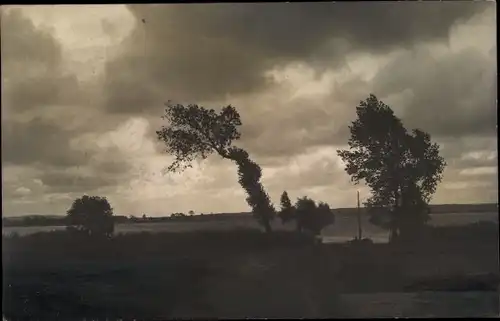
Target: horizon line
x=235, y=213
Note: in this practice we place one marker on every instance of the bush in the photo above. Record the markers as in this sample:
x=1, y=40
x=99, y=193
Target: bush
x=91, y=215
x=313, y=217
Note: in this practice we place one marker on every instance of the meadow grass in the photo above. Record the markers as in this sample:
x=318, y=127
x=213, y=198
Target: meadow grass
x=237, y=273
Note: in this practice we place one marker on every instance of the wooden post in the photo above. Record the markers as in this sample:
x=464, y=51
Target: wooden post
x=360, y=231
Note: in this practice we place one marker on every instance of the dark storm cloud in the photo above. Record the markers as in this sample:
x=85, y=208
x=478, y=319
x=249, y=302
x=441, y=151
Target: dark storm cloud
x=205, y=52
x=469, y=152
x=321, y=173
x=34, y=81
x=65, y=182
x=21, y=41
x=286, y=128
x=94, y=169
x=452, y=96
x=38, y=142
x=113, y=166
x=32, y=75
x=480, y=160
x=469, y=174
x=38, y=92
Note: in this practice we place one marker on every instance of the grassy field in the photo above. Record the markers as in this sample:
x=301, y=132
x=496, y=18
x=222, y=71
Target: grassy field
x=240, y=273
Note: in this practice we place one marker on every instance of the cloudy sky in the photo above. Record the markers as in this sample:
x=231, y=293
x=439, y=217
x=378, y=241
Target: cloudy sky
x=83, y=89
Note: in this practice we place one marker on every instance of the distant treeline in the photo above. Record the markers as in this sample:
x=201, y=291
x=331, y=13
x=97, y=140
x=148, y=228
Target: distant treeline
x=464, y=208
x=41, y=220
x=438, y=209
x=53, y=220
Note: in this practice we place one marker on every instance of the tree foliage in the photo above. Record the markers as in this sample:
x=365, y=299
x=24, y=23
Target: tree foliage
x=91, y=215
x=307, y=214
x=195, y=132
x=249, y=174
x=402, y=169
x=312, y=217
x=287, y=211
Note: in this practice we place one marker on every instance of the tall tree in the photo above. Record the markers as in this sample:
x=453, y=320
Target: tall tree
x=196, y=132
x=402, y=169
x=287, y=210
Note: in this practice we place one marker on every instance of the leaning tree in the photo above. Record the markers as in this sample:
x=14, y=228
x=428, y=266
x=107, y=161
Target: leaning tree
x=194, y=132
x=402, y=169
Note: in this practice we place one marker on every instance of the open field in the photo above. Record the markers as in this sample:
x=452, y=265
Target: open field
x=243, y=273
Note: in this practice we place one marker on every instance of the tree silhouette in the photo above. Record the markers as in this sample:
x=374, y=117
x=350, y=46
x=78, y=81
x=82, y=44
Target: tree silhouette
x=324, y=217
x=196, y=132
x=91, y=215
x=402, y=169
x=287, y=210
x=311, y=216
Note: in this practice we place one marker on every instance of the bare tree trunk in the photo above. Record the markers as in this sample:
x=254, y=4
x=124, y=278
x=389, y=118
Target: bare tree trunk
x=393, y=237
x=395, y=217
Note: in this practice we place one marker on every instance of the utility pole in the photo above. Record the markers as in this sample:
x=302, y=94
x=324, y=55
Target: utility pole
x=360, y=232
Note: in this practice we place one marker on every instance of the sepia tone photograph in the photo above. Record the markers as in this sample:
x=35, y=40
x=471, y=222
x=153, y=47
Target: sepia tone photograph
x=213, y=160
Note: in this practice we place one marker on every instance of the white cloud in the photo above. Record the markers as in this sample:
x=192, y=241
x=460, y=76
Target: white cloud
x=23, y=191
x=485, y=170
x=480, y=155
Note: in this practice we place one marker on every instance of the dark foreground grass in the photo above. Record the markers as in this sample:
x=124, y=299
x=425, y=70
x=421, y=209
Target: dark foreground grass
x=241, y=273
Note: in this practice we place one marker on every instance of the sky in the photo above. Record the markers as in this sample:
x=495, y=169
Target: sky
x=84, y=87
